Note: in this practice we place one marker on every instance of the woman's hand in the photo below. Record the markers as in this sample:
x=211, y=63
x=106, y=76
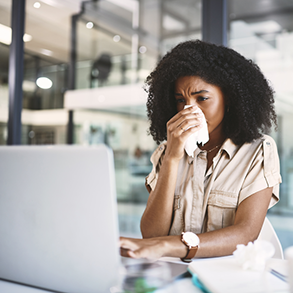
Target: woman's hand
x=152, y=248
x=179, y=128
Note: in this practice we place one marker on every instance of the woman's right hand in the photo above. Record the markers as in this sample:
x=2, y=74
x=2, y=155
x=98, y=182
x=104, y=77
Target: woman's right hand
x=179, y=128
x=157, y=218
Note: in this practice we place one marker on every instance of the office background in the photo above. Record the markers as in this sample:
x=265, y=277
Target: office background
x=118, y=43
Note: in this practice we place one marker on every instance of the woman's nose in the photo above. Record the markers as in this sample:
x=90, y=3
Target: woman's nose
x=190, y=102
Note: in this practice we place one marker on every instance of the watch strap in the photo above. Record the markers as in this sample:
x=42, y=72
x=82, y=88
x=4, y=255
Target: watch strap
x=190, y=254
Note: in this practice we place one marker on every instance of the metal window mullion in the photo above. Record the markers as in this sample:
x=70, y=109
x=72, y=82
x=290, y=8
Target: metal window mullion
x=16, y=72
x=214, y=21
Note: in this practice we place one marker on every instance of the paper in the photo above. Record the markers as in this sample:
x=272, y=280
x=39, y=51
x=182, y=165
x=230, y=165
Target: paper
x=224, y=275
x=199, y=137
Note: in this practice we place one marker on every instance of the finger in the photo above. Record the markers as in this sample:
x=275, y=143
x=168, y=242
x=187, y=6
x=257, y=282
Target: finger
x=188, y=123
x=195, y=117
x=132, y=254
x=124, y=252
x=186, y=133
x=129, y=243
x=150, y=253
x=127, y=253
x=192, y=129
x=139, y=253
x=183, y=112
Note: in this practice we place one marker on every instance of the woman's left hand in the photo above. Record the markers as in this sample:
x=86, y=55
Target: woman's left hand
x=152, y=248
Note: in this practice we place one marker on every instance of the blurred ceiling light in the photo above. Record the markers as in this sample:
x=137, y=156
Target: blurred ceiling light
x=264, y=27
x=142, y=49
x=5, y=35
x=89, y=25
x=37, y=5
x=46, y=52
x=28, y=86
x=44, y=83
x=27, y=38
x=116, y=38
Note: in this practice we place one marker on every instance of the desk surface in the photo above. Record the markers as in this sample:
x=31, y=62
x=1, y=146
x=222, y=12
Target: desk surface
x=184, y=285
x=181, y=285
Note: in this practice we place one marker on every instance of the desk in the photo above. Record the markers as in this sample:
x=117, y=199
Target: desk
x=182, y=285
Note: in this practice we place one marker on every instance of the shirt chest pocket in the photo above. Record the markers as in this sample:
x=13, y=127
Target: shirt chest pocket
x=221, y=209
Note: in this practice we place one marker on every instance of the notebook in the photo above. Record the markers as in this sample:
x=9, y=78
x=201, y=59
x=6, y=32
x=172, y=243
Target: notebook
x=225, y=275
x=58, y=218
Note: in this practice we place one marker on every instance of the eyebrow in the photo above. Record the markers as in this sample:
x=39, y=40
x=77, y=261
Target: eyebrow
x=194, y=93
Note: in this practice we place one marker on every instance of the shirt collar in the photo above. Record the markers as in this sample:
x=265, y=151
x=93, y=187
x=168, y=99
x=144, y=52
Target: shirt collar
x=229, y=147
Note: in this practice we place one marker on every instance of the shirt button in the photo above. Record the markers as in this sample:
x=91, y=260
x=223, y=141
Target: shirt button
x=268, y=143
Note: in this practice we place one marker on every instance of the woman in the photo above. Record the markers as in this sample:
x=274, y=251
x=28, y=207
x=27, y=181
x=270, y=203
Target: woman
x=222, y=192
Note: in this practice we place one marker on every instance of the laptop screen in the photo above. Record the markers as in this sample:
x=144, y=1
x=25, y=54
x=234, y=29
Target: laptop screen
x=58, y=217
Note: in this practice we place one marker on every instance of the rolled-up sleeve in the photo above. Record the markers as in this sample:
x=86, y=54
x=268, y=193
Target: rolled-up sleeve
x=156, y=160
x=264, y=172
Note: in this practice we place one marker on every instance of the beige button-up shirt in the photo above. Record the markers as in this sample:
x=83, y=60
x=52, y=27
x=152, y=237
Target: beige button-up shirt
x=207, y=200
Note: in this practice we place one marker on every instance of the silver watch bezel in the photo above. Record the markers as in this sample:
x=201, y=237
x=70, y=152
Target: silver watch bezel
x=191, y=239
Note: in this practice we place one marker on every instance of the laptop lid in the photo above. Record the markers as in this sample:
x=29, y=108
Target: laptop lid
x=58, y=218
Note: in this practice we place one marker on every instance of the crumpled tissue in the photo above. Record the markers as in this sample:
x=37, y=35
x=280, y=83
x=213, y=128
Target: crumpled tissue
x=253, y=256
x=201, y=136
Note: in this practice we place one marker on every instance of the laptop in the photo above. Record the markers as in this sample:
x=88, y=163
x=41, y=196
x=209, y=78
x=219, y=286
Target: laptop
x=58, y=218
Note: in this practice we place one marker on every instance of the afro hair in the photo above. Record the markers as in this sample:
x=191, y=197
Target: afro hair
x=247, y=93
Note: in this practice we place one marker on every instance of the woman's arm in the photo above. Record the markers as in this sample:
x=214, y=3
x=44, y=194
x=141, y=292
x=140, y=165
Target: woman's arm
x=249, y=218
x=156, y=220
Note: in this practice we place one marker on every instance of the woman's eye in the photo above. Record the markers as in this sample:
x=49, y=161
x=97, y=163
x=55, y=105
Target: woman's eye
x=178, y=101
x=202, y=98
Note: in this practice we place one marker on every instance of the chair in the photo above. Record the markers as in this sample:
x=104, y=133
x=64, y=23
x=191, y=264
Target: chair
x=268, y=233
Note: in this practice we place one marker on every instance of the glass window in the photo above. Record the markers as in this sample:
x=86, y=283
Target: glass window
x=5, y=12
x=118, y=45
x=263, y=32
x=45, y=77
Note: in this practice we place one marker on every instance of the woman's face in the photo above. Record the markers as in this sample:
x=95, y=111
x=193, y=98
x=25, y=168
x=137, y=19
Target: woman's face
x=192, y=90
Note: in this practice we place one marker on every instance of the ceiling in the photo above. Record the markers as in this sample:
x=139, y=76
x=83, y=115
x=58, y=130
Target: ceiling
x=50, y=24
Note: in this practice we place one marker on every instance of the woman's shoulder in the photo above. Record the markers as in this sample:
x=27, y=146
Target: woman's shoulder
x=156, y=160
x=264, y=149
x=158, y=153
x=268, y=140
x=265, y=141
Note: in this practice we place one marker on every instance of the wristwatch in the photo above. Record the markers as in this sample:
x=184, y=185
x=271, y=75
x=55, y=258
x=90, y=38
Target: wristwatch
x=191, y=240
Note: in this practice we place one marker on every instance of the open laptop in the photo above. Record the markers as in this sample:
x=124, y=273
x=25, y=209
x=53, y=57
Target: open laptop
x=58, y=218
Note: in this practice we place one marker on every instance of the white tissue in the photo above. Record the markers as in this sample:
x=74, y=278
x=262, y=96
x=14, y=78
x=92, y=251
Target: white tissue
x=201, y=136
x=254, y=255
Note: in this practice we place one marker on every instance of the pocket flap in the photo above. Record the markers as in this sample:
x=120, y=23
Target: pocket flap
x=223, y=199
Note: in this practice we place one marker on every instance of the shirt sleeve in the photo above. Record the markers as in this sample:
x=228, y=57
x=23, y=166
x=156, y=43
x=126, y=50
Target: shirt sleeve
x=264, y=172
x=156, y=160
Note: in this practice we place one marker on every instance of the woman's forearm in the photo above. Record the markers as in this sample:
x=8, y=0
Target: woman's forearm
x=157, y=217
x=216, y=243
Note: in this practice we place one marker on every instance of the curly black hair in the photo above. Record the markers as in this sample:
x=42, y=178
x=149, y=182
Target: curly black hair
x=246, y=91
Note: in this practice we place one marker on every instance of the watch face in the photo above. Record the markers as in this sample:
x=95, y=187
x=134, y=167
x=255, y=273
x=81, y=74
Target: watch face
x=191, y=239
